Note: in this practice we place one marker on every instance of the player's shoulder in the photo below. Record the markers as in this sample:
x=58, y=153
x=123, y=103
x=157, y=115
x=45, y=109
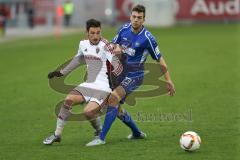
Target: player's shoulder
x=104, y=40
x=148, y=34
x=125, y=27
x=105, y=44
x=83, y=42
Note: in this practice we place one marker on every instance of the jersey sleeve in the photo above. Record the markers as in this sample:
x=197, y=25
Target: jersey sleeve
x=74, y=63
x=79, y=52
x=109, y=55
x=115, y=62
x=107, y=50
x=153, y=48
x=117, y=38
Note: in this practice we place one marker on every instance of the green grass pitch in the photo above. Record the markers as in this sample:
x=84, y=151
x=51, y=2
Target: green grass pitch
x=204, y=63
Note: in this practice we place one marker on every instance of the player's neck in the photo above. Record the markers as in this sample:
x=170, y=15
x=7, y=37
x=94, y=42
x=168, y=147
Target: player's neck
x=137, y=30
x=94, y=44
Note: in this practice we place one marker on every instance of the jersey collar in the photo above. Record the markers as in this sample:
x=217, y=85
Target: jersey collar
x=139, y=31
x=95, y=44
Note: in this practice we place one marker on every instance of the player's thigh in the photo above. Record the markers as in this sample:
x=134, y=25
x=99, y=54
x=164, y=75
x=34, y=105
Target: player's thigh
x=75, y=96
x=92, y=109
x=116, y=95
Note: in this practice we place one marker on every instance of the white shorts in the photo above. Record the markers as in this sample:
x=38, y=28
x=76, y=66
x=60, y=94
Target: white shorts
x=94, y=92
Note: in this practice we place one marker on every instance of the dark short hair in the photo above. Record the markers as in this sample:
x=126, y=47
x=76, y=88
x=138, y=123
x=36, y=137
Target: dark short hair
x=139, y=8
x=92, y=23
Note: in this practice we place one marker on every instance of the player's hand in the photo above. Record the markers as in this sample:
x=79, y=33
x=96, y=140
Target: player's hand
x=114, y=48
x=170, y=88
x=54, y=74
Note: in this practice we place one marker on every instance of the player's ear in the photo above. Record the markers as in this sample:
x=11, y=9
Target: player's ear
x=87, y=33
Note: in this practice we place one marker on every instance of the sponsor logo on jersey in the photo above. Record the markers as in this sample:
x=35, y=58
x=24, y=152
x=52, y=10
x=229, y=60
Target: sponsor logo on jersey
x=130, y=51
x=92, y=58
x=137, y=44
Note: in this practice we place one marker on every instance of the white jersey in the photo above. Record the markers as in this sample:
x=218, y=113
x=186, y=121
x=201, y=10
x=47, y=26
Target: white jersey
x=96, y=57
x=97, y=85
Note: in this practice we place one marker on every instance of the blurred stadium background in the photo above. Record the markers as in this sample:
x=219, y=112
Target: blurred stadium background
x=49, y=13
x=200, y=40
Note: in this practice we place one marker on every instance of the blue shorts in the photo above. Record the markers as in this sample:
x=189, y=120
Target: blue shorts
x=130, y=84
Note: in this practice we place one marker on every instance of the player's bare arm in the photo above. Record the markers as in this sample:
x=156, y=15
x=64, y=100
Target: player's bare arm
x=167, y=77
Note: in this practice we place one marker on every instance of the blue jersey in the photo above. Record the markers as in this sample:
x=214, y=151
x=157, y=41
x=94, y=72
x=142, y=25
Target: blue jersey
x=136, y=48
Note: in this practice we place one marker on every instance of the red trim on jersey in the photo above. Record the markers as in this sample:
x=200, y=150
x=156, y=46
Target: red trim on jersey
x=118, y=70
x=107, y=45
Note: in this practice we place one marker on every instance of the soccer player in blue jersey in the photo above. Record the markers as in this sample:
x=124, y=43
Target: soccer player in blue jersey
x=136, y=43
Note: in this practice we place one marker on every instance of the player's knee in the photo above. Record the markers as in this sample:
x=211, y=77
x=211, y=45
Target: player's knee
x=120, y=114
x=75, y=96
x=73, y=99
x=112, y=100
x=88, y=113
x=68, y=104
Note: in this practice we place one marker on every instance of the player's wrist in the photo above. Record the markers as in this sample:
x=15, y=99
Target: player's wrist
x=169, y=81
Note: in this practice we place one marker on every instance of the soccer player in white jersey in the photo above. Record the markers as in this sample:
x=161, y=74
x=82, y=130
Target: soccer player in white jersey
x=95, y=52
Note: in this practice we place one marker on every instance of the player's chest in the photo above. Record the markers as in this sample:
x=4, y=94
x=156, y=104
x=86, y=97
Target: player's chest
x=134, y=42
x=95, y=51
x=135, y=45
